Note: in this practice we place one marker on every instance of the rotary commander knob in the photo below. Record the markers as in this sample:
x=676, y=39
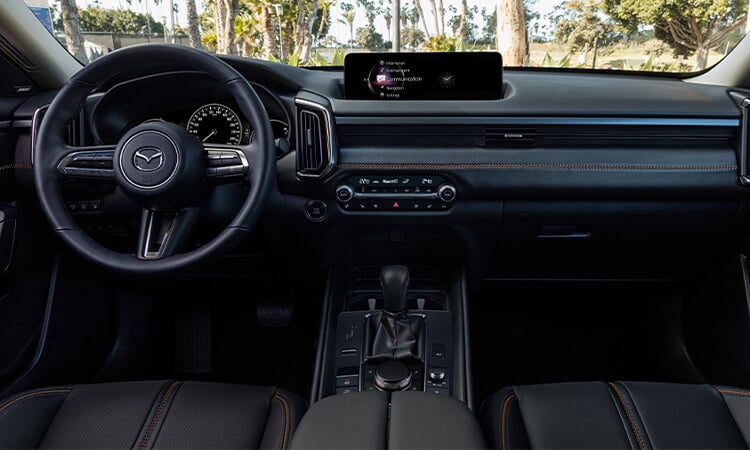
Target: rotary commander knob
x=344, y=193
x=447, y=193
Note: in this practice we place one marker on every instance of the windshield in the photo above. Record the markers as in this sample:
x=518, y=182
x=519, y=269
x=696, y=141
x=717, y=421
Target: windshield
x=637, y=35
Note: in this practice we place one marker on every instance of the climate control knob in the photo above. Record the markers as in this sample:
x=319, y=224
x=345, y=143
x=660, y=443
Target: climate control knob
x=447, y=193
x=344, y=193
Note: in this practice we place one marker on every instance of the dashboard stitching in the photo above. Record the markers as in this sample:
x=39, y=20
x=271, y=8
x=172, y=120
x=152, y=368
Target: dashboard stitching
x=543, y=166
x=15, y=166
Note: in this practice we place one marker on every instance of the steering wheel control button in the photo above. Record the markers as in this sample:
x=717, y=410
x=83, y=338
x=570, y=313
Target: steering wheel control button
x=316, y=210
x=447, y=193
x=393, y=376
x=344, y=193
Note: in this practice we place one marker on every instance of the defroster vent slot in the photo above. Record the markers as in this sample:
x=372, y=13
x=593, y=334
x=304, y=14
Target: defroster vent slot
x=509, y=137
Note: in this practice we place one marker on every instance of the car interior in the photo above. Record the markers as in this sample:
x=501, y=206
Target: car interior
x=209, y=251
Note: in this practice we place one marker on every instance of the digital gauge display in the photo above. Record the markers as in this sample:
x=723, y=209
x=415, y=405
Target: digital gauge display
x=423, y=76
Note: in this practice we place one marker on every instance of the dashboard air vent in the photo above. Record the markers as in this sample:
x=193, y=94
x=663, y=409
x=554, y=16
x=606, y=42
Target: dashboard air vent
x=314, y=147
x=510, y=137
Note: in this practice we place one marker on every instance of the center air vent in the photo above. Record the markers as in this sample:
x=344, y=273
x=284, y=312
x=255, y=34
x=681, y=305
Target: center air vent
x=509, y=137
x=314, y=145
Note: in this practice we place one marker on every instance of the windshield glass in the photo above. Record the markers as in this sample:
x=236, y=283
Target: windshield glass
x=633, y=35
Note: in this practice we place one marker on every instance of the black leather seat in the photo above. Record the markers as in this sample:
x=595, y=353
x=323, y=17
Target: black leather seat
x=617, y=415
x=150, y=414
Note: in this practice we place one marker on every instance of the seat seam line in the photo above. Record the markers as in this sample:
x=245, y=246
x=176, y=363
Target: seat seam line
x=23, y=397
x=628, y=414
x=733, y=393
x=647, y=437
x=503, y=416
x=285, y=429
x=158, y=413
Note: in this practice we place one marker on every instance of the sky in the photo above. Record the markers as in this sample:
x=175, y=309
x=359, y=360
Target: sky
x=338, y=30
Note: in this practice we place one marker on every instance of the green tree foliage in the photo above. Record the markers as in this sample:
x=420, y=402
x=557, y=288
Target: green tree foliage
x=367, y=37
x=98, y=19
x=578, y=24
x=412, y=37
x=469, y=27
x=688, y=26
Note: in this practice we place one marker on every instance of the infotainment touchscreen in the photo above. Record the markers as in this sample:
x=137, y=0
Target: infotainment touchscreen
x=423, y=76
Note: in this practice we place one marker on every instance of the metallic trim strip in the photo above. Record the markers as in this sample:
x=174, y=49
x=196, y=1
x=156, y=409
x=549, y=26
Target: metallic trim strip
x=519, y=120
x=544, y=166
x=329, y=128
x=35, y=123
x=744, y=176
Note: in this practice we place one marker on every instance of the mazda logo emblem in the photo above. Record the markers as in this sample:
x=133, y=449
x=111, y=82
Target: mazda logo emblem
x=148, y=159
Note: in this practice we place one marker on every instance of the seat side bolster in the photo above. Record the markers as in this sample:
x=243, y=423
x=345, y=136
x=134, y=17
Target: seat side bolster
x=738, y=403
x=25, y=417
x=284, y=414
x=502, y=421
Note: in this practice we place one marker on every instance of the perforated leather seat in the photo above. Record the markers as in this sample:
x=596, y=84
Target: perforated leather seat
x=617, y=415
x=150, y=414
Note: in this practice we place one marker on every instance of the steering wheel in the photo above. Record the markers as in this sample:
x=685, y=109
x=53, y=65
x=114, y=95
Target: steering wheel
x=159, y=165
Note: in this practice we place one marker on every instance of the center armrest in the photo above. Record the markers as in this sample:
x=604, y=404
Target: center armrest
x=415, y=420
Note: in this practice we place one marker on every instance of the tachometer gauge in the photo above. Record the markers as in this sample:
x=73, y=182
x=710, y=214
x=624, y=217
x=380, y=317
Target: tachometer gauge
x=216, y=124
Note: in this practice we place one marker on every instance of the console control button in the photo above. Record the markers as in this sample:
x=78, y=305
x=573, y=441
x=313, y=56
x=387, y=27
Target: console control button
x=436, y=374
x=350, y=381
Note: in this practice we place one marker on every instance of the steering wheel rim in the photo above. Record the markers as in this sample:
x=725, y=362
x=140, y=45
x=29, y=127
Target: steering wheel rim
x=51, y=148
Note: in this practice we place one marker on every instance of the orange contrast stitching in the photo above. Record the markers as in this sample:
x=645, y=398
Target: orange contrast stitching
x=731, y=392
x=32, y=395
x=159, y=409
x=15, y=166
x=285, y=405
x=503, y=416
x=627, y=413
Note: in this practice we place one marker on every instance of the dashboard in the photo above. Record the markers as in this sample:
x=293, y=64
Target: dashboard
x=560, y=155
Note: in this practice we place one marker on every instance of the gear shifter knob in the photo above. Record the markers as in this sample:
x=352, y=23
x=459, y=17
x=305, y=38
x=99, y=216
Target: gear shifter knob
x=394, y=280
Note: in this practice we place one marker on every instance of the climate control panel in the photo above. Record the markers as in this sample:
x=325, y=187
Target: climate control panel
x=396, y=193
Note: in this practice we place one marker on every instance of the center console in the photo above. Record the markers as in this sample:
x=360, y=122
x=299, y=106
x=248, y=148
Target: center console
x=399, y=342
x=391, y=329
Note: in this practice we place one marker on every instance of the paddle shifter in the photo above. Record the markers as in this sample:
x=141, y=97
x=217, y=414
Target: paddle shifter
x=394, y=339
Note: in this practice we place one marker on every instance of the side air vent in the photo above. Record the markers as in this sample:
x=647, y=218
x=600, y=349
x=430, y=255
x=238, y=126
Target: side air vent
x=315, y=157
x=73, y=132
x=744, y=143
x=509, y=137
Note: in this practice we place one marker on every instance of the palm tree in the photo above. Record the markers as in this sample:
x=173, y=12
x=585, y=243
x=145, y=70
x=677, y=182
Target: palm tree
x=324, y=6
x=347, y=18
x=511, y=33
x=194, y=31
x=72, y=27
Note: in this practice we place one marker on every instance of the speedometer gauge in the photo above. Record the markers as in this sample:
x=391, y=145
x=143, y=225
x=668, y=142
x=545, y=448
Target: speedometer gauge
x=216, y=124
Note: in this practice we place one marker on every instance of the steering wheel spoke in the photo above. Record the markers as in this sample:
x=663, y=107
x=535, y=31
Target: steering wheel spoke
x=226, y=163
x=90, y=163
x=162, y=233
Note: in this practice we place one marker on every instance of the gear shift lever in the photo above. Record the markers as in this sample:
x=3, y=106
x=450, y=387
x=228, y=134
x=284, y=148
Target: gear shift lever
x=394, y=280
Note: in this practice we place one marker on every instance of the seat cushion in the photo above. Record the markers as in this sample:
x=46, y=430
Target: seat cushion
x=150, y=414
x=635, y=415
